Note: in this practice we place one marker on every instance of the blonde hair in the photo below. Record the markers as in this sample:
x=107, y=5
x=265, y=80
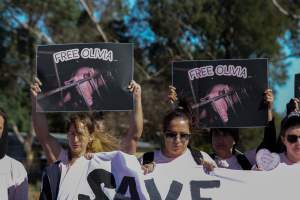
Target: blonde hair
x=82, y=123
x=103, y=141
x=85, y=126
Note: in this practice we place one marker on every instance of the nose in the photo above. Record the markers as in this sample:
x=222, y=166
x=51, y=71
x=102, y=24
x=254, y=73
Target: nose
x=220, y=106
x=76, y=138
x=177, y=139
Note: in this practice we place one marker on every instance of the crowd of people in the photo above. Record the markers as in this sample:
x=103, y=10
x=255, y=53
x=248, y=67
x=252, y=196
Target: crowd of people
x=86, y=134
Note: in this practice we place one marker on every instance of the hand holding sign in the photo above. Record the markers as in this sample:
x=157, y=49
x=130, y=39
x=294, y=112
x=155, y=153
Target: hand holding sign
x=266, y=160
x=136, y=90
x=292, y=106
x=35, y=87
x=172, y=95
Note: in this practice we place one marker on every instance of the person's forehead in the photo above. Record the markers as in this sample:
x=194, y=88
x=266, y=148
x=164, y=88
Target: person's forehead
x=179, y=122
x=294, y=130
x=221, y=132
x=72, y=128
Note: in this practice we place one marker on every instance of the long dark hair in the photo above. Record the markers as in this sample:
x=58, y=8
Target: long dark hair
x=3, y=139
x=177, y=113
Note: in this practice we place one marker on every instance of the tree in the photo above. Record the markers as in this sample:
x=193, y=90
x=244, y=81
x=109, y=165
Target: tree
x=217, y=29
x=161, y=30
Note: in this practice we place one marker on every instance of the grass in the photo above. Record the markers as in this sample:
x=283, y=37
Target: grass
x=34, y=191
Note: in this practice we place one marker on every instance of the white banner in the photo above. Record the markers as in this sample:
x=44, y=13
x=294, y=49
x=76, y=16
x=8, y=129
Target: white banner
x=117, y=175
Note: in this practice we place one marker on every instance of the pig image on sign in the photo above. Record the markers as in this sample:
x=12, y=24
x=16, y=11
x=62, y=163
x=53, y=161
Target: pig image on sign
x=87, y=82
x=218, y=102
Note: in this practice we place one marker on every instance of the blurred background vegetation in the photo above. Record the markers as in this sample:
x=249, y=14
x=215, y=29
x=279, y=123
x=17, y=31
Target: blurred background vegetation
x=161, y=30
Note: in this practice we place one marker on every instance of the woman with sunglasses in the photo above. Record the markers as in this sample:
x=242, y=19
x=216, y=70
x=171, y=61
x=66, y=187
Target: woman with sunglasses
x=290, y=138
x=175, y=144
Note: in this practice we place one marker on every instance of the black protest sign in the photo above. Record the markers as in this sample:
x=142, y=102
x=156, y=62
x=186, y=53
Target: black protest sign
x=85, y=77
x=223, y=93
x=297, y=86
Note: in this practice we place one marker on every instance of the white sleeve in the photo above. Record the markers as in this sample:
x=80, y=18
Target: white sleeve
x=20, y=181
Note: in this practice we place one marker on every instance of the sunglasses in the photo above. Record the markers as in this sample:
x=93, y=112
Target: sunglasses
x=292, y=138
x=173, y=135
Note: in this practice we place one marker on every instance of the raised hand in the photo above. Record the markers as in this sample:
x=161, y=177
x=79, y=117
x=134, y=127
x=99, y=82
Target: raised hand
x=136, y=90
x=269, y=100
x=172, y=95
x=292, y=106
x=35, y=87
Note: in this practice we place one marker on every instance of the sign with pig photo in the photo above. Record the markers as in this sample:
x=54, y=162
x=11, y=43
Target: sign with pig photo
x=223, y=93
x=85, y=77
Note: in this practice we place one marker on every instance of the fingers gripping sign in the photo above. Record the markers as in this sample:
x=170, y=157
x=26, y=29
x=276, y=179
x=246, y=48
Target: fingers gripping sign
x=35, y=87
x=172, y=95
x=135, y=88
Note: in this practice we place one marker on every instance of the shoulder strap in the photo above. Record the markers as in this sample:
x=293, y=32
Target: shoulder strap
x=197, y=155
x=45, y=188
x=56, y=178
x=51, y=180
x=243, y=161
x=148, y=157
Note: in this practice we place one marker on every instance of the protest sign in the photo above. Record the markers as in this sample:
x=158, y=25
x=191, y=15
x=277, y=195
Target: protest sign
x=116, y=175
x=85, y=77
x=223, y=93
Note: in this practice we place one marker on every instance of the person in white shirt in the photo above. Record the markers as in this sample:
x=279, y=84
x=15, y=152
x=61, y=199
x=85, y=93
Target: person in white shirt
x=224, y=142
x=175, y=145
x=290, y=138
x=61, y=179
x=13, y=176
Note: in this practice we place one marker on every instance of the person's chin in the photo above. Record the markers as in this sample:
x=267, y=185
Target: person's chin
x=76, y=150
x=178, y=151
x=297, y=153
x=221, y=148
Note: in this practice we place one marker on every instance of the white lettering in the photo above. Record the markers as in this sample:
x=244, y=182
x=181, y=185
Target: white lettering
x=201, y=72
x=66, y=55
x=231, y=70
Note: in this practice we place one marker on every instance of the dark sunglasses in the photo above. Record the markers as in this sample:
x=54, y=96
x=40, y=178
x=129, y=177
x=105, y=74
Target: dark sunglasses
x=173, y=135
x=292, y=138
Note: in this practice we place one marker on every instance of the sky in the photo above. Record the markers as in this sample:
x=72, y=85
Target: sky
x=286, y=92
